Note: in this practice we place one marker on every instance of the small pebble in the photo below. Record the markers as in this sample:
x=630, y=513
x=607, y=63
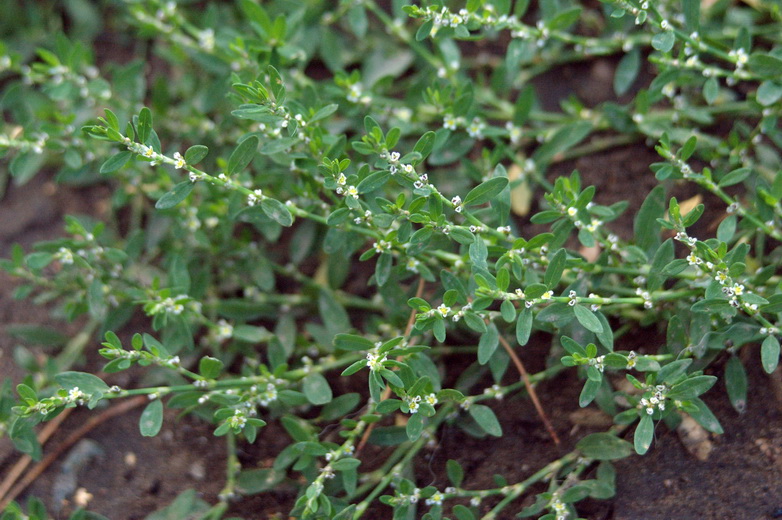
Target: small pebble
x=197, y=470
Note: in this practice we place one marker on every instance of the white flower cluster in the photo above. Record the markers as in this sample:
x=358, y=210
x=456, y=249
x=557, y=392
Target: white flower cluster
x=457, y=204
x=657, y=400
x=64, y=255
x=594, y=306
x=375, y=361
x=682, y=236
x=238, y=420
x=223, y=331
x=494, y=391
x=646, y=297
x=381, y=246
x=435, y=500
x=631, y=360
x=598, y=363
x=255, y=197
x=169, y=305
x=460, y=313
x=356, y=94
x=559, y=508
x=451, y=122
x=573, y=298
x=76, y=396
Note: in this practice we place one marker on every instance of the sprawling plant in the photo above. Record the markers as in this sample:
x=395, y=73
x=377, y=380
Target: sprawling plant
x=308, y=194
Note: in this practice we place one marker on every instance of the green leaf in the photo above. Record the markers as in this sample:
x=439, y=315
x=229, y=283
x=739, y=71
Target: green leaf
x=769, y=93
x=415, y=425
x=116, y=161
x=691, y=10
x=25, y=165
x=691, y=387
x=423, y=32
x=87, y=383
x=486, y=419
x=604, y=446
x=383, y=268
x=324, y=112
x=663, y=41
x=589, y=392
x=563, y=139
x=644, y=433
x=734, y=177
x=736, y=384
x=765, y=65
x=352, y=342
x=455, y=472
x=373, y=181
x=488, y=343
x=711, y=89
x=588, y=319
x=317, y=389
x=647, y=230
x=151, y=419
x=277, y=211
x=195, y=154
x=175, y=196
x=253, y=481
x=424, y=145
x=555, y=268
x=243, y=155
x=37, y=334
x=485, y=191
x=627, y=71
x=144, y=125
x=769, y=354
x=210, y=367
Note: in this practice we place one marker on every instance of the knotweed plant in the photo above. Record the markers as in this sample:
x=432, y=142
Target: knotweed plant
x=310, y=197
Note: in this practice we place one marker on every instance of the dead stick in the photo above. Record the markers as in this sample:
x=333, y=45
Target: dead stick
x=530, y=389
x=387, y=391
x=25, y=460
x=72, y=439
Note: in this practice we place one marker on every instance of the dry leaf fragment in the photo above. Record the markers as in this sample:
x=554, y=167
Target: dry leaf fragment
x=521, y=194
x=694, y=438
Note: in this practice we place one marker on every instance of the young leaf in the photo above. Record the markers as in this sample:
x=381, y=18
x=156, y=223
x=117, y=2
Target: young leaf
x=277, y=211
x=317, y=389
x=242, y=155
x=555, y=267
x=524, y=326
x=144, y=125
x=210, y=367
x=588, y=319
x=483, y=192
x=455, y=472
x=175, y=196
x=195, y=154
x=604, y=446
x=627, y=71
x=642, y=439
x=151, y=419
x=769, y=354
x=736, y=384
x=488, y=344
x=116, y=161
x=486, y=419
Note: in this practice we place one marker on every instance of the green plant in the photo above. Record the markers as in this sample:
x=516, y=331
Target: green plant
x=278, y=230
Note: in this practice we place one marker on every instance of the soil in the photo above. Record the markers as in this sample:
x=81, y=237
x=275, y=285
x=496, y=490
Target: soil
x=741, y=479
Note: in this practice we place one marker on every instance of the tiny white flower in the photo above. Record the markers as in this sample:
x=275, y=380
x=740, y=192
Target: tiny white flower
x=444, y=310
x=547, y=295
x=179, y=161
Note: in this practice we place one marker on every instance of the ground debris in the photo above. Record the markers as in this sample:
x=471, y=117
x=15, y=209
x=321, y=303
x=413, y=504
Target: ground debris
x=694, y=438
